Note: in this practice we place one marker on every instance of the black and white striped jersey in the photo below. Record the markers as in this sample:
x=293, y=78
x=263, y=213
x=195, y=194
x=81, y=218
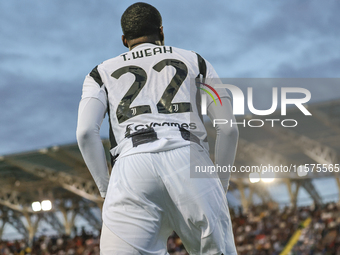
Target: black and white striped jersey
x=151, y=92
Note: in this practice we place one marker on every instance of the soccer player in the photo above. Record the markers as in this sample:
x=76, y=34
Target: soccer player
x=157, y=136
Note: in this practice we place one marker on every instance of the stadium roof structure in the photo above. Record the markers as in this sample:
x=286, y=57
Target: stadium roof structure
x=314, y=141
x=59, y=173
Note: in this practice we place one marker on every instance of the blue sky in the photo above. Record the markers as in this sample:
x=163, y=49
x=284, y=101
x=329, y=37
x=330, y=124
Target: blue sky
x=47, y=47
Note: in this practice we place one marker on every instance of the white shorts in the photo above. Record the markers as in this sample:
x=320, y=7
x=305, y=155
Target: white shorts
x=152, y=194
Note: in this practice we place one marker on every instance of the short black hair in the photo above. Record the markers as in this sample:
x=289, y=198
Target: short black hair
x=140, y=19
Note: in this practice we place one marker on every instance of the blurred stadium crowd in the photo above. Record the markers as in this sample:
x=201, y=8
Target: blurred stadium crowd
x=263, y=230
x=266, y=231
x=59, y=245
x=84, y=244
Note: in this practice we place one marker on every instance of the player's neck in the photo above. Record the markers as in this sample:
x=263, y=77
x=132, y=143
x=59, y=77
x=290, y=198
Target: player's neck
x=145, y=39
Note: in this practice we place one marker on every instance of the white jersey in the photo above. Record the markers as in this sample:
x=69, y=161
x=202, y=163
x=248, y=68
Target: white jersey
x=151, y=94
x=153, y=102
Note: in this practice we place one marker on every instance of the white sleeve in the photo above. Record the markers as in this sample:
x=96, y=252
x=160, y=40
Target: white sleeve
x=226, y=139
x=212, y=79
x=226, y=135
x=90, y=117
x=91, y=88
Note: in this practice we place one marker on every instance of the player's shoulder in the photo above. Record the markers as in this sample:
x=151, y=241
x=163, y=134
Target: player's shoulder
x=186, y=52
x=200, y=61
x=195, y=55
x=111, y=61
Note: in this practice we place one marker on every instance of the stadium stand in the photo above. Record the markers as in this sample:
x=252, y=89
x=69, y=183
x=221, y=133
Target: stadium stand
x=263, y=230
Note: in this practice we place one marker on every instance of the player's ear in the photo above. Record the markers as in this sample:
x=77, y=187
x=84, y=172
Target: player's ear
x=124, y=40
x=161, y=35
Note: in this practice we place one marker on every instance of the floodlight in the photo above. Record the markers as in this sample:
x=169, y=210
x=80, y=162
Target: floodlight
x=46, y=205
x=302, y=170
x=36, y=206
x=254, y=177
x=267, y=177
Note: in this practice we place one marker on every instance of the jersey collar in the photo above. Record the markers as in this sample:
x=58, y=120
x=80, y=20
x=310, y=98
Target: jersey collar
x=142, y=45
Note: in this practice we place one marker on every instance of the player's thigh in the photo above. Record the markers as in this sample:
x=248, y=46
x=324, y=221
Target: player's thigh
x=204, y=224
x=111, y=244
x=199, y=210
x=134, y=206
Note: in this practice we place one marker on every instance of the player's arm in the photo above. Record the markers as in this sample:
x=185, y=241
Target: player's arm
x=226, y=137
x=92, y=109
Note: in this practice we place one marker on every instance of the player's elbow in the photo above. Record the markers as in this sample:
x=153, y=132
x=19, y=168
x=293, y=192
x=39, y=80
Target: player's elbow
x=233, y=132
x=83, y=134
x=229, y=131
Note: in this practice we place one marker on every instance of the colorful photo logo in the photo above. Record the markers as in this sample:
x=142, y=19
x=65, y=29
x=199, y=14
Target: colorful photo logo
x=209, y=93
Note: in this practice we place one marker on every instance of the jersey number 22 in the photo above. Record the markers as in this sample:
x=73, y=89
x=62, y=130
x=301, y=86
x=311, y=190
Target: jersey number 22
x=165, y=105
